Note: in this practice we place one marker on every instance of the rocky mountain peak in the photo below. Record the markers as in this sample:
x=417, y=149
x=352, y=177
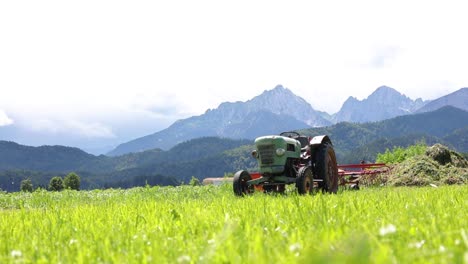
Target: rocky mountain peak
x=282, y=101
x=351, y=100
x=387, y=93
x=279, y=88
x=385, y=102
x=278, y=93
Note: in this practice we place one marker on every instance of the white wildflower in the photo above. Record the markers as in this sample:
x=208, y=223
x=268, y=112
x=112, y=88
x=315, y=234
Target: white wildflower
x=295, y=248
x=183, y=259
x=442, y=249
x=418, y=244
x=73, y=241
x=16, y=253
x=389, y=229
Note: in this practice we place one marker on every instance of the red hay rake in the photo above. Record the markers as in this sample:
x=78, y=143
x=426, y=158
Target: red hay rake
x=351, y=174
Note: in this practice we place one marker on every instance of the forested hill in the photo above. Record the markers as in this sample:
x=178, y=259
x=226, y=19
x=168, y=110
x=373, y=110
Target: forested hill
x=18, y=162
x=44, y=158
x=211, y=156
x=62, y=159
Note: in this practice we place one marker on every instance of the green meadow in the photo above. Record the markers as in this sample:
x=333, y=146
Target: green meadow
x=210, y=225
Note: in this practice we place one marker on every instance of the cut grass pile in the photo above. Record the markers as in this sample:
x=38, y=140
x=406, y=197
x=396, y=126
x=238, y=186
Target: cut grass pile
x=210, y=225
x=437, y=165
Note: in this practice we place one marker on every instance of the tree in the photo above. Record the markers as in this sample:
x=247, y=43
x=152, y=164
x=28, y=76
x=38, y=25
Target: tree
x=56, y=184
x=72, y=181
x=26, y=185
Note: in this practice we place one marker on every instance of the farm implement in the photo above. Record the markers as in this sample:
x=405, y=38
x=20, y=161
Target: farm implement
x=351, y=174
x=307, y=162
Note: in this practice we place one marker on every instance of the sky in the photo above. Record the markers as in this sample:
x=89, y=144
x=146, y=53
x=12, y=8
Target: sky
x=110, y=71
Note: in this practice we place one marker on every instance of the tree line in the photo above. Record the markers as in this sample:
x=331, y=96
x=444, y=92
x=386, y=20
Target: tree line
x=71, y=182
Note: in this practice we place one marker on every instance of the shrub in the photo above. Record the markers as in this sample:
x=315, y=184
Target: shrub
x=56, y=184
x=72, y=181
x=26, y=185
x=399, y=154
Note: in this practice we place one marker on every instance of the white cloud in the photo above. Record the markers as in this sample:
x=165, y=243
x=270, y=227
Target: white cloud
x=72, y=127
x=4, y=119
x=164, y=60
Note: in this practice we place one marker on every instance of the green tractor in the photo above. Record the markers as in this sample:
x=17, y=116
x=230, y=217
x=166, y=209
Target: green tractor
x=290, y=158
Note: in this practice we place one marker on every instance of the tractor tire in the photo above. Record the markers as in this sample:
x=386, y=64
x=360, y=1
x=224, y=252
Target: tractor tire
x=326, y=168
x=304, y=180
x=240, y=185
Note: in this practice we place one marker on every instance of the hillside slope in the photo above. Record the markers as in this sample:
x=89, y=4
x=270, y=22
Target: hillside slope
x=458, y=99
x=46, y=158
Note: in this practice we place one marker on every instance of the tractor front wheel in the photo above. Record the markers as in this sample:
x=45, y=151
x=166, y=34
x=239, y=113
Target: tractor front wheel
x=304, y=180
x=240, y=185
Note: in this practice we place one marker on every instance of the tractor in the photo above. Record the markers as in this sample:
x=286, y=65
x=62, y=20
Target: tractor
x=290, y=158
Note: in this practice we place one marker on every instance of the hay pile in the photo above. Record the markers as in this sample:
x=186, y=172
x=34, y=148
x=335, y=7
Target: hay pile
x=439, y=165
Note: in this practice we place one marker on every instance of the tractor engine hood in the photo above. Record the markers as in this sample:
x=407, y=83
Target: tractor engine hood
x=272, y=153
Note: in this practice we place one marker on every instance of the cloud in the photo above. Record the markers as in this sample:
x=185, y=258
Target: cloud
x=73, y=127
x=4, y=119
x=384, y=56
x=162, y=62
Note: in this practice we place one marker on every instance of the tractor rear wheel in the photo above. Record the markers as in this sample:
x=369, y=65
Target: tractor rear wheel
x=240, y=185
x=304, y=180
x=326, y=168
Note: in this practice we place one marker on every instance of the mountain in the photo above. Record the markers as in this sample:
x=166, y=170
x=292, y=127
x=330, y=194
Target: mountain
x=457, y=99
x=271, y=112
x=446, y=125
x=383, y=103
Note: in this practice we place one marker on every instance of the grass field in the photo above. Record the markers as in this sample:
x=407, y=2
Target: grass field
x=210, y=225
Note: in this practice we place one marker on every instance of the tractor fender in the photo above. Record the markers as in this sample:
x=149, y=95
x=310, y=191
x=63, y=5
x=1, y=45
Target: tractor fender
x=319, y=140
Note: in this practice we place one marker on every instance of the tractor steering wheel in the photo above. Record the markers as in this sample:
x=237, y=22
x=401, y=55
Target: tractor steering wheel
x=290, y=134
